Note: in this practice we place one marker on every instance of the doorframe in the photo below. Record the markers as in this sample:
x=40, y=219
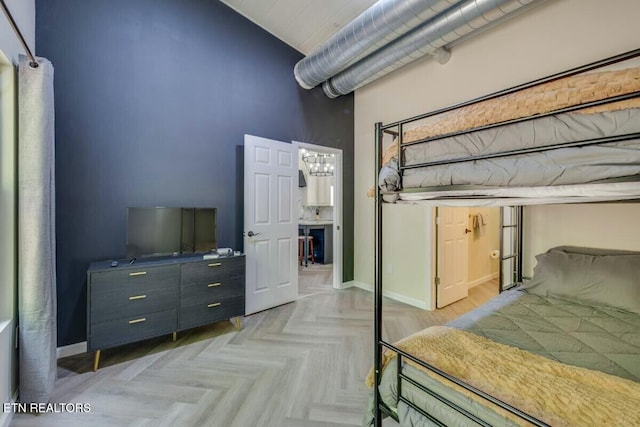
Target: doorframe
x=337, y=208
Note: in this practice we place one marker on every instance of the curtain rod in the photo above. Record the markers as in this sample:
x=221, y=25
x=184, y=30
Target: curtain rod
x=33, y=62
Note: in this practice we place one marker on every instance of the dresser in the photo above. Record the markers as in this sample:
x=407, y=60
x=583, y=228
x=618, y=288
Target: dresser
x=211, y=290
x=152, y=297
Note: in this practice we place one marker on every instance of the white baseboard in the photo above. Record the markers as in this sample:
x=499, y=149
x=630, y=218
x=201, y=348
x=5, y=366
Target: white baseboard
x=362, y=285
x=394, y=296
x=347, y=285
x=483, y=279
x=71, y=350
x=406, y=300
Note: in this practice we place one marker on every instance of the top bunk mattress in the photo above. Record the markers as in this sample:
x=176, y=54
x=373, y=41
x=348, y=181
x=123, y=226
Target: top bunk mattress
x=560, y=166
x=574, y=130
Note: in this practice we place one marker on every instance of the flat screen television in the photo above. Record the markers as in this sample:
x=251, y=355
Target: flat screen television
x=170, y=231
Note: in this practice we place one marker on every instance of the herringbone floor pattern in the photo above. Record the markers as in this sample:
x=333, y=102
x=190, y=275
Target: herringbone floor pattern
x=301, y=364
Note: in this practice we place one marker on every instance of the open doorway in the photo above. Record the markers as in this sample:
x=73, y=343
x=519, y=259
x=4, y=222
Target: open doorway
x=319, y=218
x=467, y=252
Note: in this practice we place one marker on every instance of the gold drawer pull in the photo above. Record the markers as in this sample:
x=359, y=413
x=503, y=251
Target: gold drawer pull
x=213, y=285
x=138, y=273
x=215, y=264
x=142, y=319
x=137, y=297
x=215, y=304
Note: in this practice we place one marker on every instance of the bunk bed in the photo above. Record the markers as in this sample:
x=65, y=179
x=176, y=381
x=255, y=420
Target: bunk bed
x=562, y=348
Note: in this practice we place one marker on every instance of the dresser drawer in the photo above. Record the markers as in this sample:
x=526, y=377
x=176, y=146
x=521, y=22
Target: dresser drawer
x=211, y=311
x=211, y=270
x=135, y=328
x=117, y=304
x=195, y=294
x=134, y=280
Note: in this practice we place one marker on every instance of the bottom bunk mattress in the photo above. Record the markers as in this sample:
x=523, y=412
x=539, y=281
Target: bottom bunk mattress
x=601, y=343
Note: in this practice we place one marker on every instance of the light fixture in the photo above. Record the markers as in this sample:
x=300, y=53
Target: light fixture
x=318, y=164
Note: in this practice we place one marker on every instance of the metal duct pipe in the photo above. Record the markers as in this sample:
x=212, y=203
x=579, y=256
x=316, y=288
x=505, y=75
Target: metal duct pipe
x=375, y=27
x=428, y=39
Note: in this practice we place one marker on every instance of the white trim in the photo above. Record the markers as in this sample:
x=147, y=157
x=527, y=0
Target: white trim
x=361, y=285
x=5, y=418
x=349, y=284
x=394, y=296
x=406, y=300
x=338, y=223
x=71, y=350
x=482, y=280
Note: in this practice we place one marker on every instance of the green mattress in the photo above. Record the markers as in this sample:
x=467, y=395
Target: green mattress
x=597, y=338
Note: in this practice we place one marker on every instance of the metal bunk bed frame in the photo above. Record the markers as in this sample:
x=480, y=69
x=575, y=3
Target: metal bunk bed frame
x=380, y=407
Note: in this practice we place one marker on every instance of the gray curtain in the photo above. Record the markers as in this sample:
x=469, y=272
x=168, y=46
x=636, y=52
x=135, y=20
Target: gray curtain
x=36, y=232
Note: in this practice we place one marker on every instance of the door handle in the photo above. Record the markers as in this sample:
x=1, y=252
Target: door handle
x=466, y=230
x=252, y=234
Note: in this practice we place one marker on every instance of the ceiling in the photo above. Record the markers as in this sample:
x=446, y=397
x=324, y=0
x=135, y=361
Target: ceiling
x=302, y=24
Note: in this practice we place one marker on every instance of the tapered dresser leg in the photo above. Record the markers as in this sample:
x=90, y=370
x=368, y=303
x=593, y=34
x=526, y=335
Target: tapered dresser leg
x=239, y=323
x=96, y=360
x=175, y=336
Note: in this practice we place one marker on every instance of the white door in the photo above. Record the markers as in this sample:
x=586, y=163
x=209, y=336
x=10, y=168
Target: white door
x=453, y=252
x=270, y=222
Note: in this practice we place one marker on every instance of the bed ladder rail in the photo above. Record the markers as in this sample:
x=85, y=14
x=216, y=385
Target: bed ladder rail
x=510, y=273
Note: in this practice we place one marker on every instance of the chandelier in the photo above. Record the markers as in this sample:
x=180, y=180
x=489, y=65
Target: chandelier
x=318, y=164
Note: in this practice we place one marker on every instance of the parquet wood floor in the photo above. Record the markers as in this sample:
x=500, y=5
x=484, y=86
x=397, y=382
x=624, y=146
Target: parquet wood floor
x=300, y=364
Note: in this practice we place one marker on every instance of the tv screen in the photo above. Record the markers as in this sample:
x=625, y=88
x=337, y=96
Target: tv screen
x=170, y=231
x=153, y=231
x=205, y=230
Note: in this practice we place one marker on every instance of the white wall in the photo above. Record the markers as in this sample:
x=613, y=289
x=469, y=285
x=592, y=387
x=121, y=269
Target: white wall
x=24, y=13
x=408, y=257
x=406, y=270
x=611, y=226
x=553, y=37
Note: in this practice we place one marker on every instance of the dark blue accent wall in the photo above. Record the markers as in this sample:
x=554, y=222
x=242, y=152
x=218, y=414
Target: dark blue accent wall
x=153, y=98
